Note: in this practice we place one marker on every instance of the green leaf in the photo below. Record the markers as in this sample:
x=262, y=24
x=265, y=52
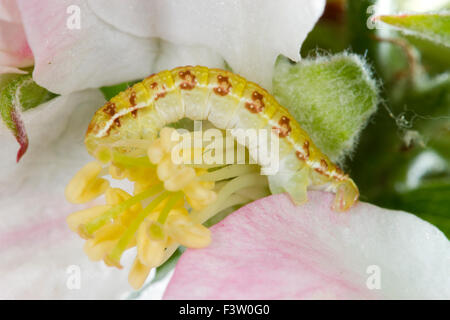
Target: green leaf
x=330, y=32
x=359, y=29
x=331, y=97
x=18, y=94
x=431, y=26
x=111, y=91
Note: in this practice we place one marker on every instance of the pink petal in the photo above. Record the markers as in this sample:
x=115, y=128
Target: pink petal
x=9, y=11
x=14, y=49
x=271, y=249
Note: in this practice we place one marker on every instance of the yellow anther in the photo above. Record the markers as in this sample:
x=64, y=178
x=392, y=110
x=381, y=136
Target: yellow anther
x=142, y=174
x=166, y=168
x=110, y=262
x=104, y=240
x=180, y=179
x=192, y=235
x=198, y=204
x=205, y=184
x=78, y=218
x=116, y=172
x=160, y=207
x=196, y=190
x=115, y=196
x=181, y=210
x=150, y=248
x=155, y=232
x=97, y=251
x=138, y=273
x=86, y=184
x=155, y=152
x=141, y=186
x=198, y=196
x=170, y=242
x=108, y=232
x=143, y=178
x=169, y=138
x=128, y=216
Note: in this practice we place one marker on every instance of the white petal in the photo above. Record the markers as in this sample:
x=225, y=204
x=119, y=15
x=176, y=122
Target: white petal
x=135, y=17
x=68, y=59
x=248, y=34
x=117, y=42
x=172, y=56
x=272, y=249
x=37, y=248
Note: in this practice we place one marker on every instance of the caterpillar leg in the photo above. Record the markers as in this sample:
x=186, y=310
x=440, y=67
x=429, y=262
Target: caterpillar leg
x=297, y=186
x=347, y=194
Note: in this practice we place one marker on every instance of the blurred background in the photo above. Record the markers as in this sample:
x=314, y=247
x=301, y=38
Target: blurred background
x=403, y=157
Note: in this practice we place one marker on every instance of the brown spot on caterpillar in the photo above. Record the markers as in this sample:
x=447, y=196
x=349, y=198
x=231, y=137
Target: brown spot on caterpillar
x=133, y=98
x=305, y=154
x=161, y=94
x=154, y=85
x=323, y=167
x=134, y=113
x=284, y=127
x=224, y=86
x=93, y=127
x=189, y=78
x=340, y=173
x=257, y=105
x=117, y=122
x=110, y=109
x=306, y=148
x=300, y=155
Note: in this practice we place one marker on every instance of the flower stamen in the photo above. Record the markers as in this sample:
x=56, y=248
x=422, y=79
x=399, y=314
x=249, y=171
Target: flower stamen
x=155, y=218
x=229, y=188
x=113, y=259
x=229, y=172
x=110, y=214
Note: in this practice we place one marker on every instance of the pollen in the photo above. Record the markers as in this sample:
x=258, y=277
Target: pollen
x=167, y=208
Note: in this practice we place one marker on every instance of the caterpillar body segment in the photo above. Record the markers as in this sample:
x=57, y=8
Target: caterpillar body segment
x=193, y=86
x=226, y=91
x=165, y=96
x=228, y=101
